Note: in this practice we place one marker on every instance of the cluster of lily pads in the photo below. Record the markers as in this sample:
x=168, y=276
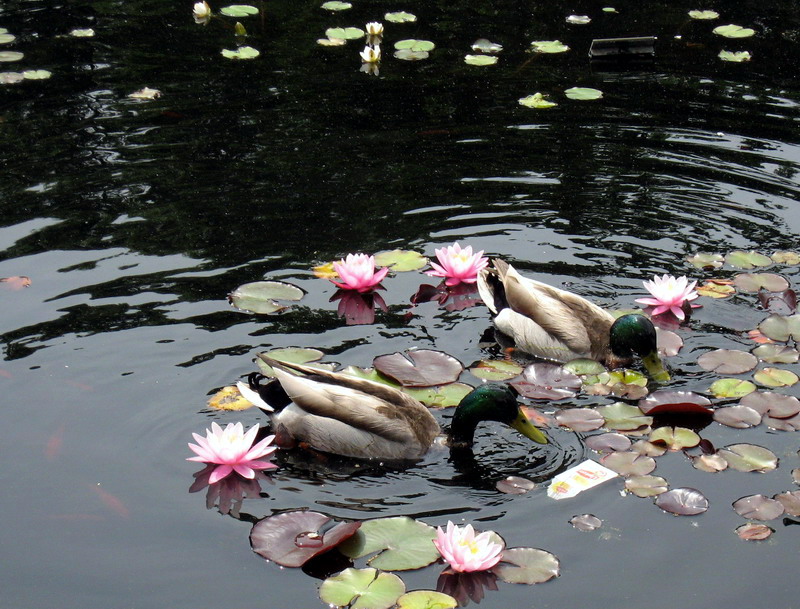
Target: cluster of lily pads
x=726, y=31
x=8, y=78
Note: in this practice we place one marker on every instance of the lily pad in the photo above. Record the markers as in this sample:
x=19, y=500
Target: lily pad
x=515, y=485
x=291, y=539
x=426, y=599
x=261, y=296
x=583, y=93
x=753, y=282
x=336, y=5
x=629, y=463
x=413, y=44
x=584, y=366
x=402, y=543
x=758, y=507
x=754, y=532
x=675, y=438
x=608, y=443
x=647, y=448
x=580, y=419
x=10, y=78
x=536, y=100
x=480, y=60
x=682, y=502
x=781, y=303
x=727, y=361
x=293, y=355
x=708, y=14
x=546, y=381
x=239, y=10
x=786, y=257
x=787, y=424
x=527, y=566
x=716, y=288
x=790, y=501
x=409, y=55
x=749, y=458
x=401, y=261
x=775, y=377
x=675, y=402
x=586, y=522
x=747, y=260
x=362, y=589
x=735, y=56
x=777, y=354
x=624, y=417
x=709, y=463
x=646, y=486
x=772, y=404
x=781, y=328
x=496, y=370
x=82, y=33
x=241, y=53
x=440, y=397
x=6, y=38
x=731, y=388
x=549, y=46
x=482, y=45
x=703, y=260
x=740, y=417
x=36, y=74
x=420, y=368
x=733, y=31
x=321, y=270
x=345, y=33
x=9, y=56
x=579, y=19
x=400, y=17
x=229, y=398
x=668, y=342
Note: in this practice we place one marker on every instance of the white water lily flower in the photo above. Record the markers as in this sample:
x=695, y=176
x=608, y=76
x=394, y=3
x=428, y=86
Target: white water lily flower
x=371, y=54
x=374, y=28
x=201, y=10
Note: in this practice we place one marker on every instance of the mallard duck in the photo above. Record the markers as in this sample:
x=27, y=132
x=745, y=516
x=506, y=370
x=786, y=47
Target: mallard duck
x=559, y=325
x=345, y=415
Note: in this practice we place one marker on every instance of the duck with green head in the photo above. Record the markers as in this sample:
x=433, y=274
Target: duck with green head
x=353, y=417
x=561, y=326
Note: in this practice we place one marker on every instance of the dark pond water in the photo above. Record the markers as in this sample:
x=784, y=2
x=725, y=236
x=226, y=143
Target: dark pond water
x=134, y=219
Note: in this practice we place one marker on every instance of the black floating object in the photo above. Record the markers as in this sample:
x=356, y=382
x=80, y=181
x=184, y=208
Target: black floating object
x=642, y=47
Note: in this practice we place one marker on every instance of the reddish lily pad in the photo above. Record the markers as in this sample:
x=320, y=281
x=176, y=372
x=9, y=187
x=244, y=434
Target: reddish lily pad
x=362, y=589
x=710, y=463
x=790, y=501
x=646, y=486
x=647, y=448
x=682, y=502
x=629, y=463
x=747, y=260
x=783, y=303
x=753, y=282
x=586, y=522
x=777, y=354
x=401, y=542
x=749, y=458
x=780, y=327
x=496, y=370
x=608, y=443
x=772, y=404
x=731, y=388
x=624, y=417
x=527, y=566
x=262, y=297
x=754, y=532
x=788, y=424
x=727, y=361
x=545, y=381
x=775, y=377
x=675, y=402
x=420, y=368
x=580, y=419
x=669, y=343
x=514, y=485
x=740, y=417
x=716, y=288
x=758, y=507
x=291, y=539
x=675, y=438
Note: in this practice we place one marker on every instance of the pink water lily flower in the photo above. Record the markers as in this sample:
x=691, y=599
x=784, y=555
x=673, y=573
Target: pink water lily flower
x=357, y=272
x=458, y=265
x=232, y=450
x=466, y=551
x=669, y=294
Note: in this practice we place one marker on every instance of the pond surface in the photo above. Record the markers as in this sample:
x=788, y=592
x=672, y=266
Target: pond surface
x=133, y=220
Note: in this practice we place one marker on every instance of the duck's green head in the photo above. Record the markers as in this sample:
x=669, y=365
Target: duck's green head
x=491, y=402
x=635, y=334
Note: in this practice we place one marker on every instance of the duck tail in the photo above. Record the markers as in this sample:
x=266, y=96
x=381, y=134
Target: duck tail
x=490, y=285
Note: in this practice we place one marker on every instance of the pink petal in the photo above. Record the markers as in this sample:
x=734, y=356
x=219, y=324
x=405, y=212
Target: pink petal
x=219, y=473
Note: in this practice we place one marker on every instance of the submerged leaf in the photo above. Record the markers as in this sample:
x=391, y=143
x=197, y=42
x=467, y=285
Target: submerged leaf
x=229, y=398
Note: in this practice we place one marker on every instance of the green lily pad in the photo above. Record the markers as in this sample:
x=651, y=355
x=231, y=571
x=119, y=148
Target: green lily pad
x=482, y=45
x=646, y=486
x=409, y=55
x=480, y=60
x=629, y=463
x=781, y=327
x=9, y=56
x=362, y=589
x=440, y=397
x=749, y=458
x=36, y=74
x=584, y=367
x=496, y=370
x=716, y=288
x=609, y=9
x=706, y=261
x=733, y=31
x=336, y=5
x=731, y=388
x=6, y=38
x=786, y=257
x=293, y=355
x=401, y=261
x=777, y=354
x=735, y=56
x=426, y=599
x=261, y=296
x=727, y=361
x=747, y=260
x=241, y=53
x=400, y=17
x=753, y=282
x=239, y=10
x=549, y=46
x=10, y=78
x=82, y=33
x=402, y=543
x=704, y=14
x=536, y=100
x=345, y=33
x=527, y=566
x=583, y=93
x=413, y=44
x=623, y=417
x=675, y=438
x=775, y=377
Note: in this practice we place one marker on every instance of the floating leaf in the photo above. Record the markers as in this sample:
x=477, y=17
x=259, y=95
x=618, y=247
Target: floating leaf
x=623, y=417
x=758, y=507
x=772, y=404
x=749, y=458
x=401, y=542
x=789, y=258
x=579, y=19
x=777, y=354
x=482, y=45
x=580, y=419
x=740, y=417
x=536, y=100
x=710, y=463
x=775, y=377
x=586, y=522
x=790, y=501
x=609, y=9
x=496, y=370
x=747, y=260
x=704, y=14
x=716, y=288
x=548, y=46
x=82, y=33
x=10, y=78
x=753, y=282
x=239, y=10
x=629, y=463
x=546, y=381
x=229, y=398
x=757, y=337
x=6, y=38
x=9, y=56
x=646, y=486
x=345, y=33
x=706, y=261
x=36, y=74
x=426, y=599
x=781, y=328
x=440, y=397
x=514, y=485
x=400, y=17
x=647, y=448
x=293, y=355
x=329, y=42
x=480, y=60
x=584, y=366
x=291, y=539
x=682, y=502
x=412, y=44
x=731, y=388
x=669, y=343
x=362, y=589
x=735, y=56
x=675, y=438
x=754, y=532
x=241, y=53
x=788, y=424
x=409, y=55
x=527, y=566
x=727, y=361
x=583, y=93
x=419, y=368
x=336, y=5
x=783, y=303
x=608, y=443
x=146, y=93
x=261, y=296
x=401, y=261
x=733, y=31
x=675, y=402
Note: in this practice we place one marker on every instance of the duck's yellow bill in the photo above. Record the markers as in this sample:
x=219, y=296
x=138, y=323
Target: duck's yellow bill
x=655, y=367
x=524, y=426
